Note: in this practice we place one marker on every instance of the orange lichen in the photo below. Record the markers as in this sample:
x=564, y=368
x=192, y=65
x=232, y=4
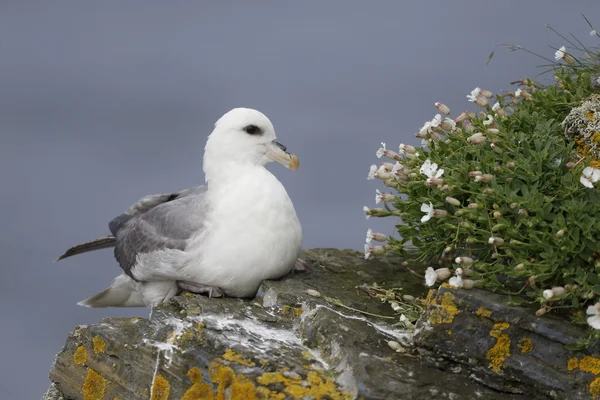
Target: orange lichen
x=525, y=345
x=483, y=312
x=80, y=355
x=232, y=356
x=446, y=311
x=198, y=390
x=573, y=364
x=160, y=388
x=291, y=312
x=595, y=388
x=99, y=344
x=501, y=349
x=94, y=386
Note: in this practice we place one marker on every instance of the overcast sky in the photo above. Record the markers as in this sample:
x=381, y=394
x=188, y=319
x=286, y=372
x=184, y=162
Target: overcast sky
x=104, y=102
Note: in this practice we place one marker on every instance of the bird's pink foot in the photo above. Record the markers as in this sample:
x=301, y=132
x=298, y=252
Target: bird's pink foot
x=198, y=288
x=300, y=266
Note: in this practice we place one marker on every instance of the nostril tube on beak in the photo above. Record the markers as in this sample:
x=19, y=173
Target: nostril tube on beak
x=282, y=147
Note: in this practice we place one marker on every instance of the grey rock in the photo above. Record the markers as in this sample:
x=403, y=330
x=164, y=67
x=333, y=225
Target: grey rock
x=284, y=344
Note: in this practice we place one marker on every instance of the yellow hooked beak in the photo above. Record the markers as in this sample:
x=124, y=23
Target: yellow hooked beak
x=277, y=152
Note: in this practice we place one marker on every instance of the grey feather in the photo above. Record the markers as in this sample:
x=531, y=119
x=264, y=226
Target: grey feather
x=96, y=244
x=156, y=223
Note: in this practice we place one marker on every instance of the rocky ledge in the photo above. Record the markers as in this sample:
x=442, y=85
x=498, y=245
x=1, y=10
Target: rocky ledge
x=294, y=342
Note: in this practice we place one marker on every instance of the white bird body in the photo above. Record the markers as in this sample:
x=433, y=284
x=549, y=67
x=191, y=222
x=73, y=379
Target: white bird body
x=241, y=230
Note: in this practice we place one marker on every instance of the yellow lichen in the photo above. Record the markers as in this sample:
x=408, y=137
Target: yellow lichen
x=94, y=386
x=595, y=388
x=291, y=312
x=449, y=331
x=80, y=355
x=232, y=356
x=238, y=387
x=198, y=390
x=573, y=364
x=501, y=349
x=446, y=311
x=430, y=299
x=483, y=312
x=590, y=364
x=590, y=115
x=525, y=345
x=99, y=344
x=160, y=388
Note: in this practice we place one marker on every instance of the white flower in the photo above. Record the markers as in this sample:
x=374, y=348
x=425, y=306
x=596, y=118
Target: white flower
x=369, y=235
x=372, y=172
x=496, y=107
x=377, y=196
x=431, y=169
x=428, y=210
x=417, y=153
x=518, y=92
x=489, y=120
x=426, y=128
x=560, y=53
x=396, y=307
x=435, y=122
x=430, y=277
x=593, y=32
x=589, y=176
x=397, y=167
x=367, y=251
x=474, y=94
x=366, y=211
x=556, y=162
x=594, y=319
x=547, y=294
x=381, y=150
x=456, y=281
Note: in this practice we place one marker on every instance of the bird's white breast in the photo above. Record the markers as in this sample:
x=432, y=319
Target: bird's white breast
x=252, y=233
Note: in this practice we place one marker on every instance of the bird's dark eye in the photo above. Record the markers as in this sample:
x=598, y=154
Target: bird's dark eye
x=252, y=130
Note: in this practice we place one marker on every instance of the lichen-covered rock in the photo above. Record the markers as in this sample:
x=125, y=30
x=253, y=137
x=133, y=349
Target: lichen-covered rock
x=507, y=348
x=582, y=126
x=288, y=343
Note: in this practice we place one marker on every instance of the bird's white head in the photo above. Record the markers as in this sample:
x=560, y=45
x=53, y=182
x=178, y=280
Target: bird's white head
x=245, y=137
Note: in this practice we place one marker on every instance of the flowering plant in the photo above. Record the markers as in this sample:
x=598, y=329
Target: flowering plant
x=502, y=198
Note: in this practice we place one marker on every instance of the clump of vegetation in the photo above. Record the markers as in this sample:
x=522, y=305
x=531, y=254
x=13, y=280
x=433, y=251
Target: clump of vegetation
x=506, y=197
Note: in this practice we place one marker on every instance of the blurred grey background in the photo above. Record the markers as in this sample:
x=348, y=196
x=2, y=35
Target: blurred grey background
x=103, y=102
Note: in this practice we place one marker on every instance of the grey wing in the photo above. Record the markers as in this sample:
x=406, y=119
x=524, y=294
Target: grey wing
x=157, y=222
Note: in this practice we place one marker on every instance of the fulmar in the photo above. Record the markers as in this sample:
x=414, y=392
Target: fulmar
x=222, y=238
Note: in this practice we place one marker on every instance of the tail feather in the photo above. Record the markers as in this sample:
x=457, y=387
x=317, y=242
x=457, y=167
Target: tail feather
x=96, y=244
x=121, y=293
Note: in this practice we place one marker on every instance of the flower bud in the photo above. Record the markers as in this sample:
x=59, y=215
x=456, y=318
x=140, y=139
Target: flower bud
x=513, y=205
x=495, y=148
x=540, y=312
x=508, y=180
x=443, y=274
x=408, y=297
x=569, y=59
x=464, y=260
x=496, y=241
x=520, y=267
x=486, y=93
x=458, y=271
x=379, y=237
x=473, y=174
x=488, y=191
x=497, y=215
x=471, y=240
x=434, y=181
x=497, y=169
x=481, y=101
x=464, y=224
x=407, y=148
x=473, y=205
x=523, y=213
x=493, y=131
x=470, y=284
x=458, y=213
x=571, y=164
x=377, y=250
x=461, y=117
x=439, y=213
x=560, y=233
x=442, y=108
x=558, y=291
x=392, y=183
x=515, y=100
x=476, y=138
x=453, y=201
x=510, y=164
x=484, y=178
x=448, y=125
